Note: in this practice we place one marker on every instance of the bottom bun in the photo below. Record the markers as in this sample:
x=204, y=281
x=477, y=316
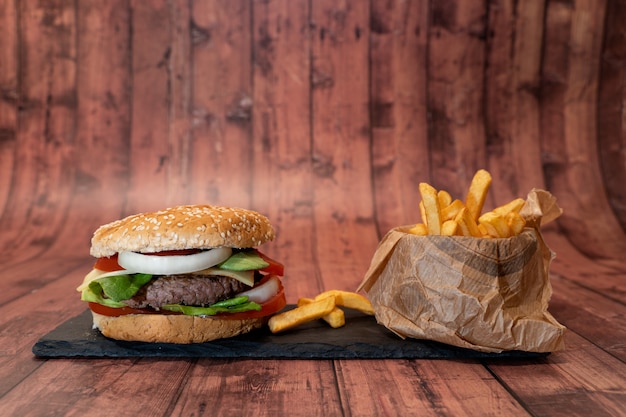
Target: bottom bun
x=172, y=328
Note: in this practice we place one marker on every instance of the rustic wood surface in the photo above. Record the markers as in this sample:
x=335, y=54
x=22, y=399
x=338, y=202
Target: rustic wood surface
x=325, y=116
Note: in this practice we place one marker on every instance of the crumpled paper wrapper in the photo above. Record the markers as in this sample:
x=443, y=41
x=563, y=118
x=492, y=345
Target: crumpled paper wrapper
x=489, y=295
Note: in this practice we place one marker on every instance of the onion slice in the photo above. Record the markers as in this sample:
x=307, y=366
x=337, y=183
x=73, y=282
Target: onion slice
x=174, y=264
x=263, y=292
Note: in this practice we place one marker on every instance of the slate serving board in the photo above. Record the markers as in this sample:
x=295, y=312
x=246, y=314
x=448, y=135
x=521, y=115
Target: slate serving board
x=360, y=338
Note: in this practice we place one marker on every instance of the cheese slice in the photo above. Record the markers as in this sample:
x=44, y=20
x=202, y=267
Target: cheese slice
x=247, y=277
x=96, y=273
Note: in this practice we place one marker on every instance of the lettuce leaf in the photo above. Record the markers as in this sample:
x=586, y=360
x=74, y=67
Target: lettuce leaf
x=110, y=291
x=88, y=295
x=232, y=305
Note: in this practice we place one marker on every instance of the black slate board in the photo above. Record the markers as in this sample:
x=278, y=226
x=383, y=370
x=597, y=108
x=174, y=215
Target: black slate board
x=361, y=338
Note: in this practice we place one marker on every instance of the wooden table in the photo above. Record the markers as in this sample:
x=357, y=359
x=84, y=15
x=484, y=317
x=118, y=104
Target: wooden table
x=587, y=378
x=324, y=116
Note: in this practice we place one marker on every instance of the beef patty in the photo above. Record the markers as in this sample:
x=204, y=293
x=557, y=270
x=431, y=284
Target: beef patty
x=187, y=289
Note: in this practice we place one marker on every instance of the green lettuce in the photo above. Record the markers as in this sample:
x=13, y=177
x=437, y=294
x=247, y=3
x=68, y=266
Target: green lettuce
x=232, y=305
x=110, y=291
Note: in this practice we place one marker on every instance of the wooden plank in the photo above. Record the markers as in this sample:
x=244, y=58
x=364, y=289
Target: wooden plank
x=21, y=278
x=108, y=387
x=22, y=324
x=344, y=219
x=263, y=388
x=101, y=162
x=398, y=60
x=426, y=387
x=606, y=278
x=221, y=151
x=600, y=319
x=180, y=89
x=9, y=96
x=611, y=104
x=159, y=84
x=579, y=381
x=571, y=146
x=39, y=194
x=456, y=60
x=281, y=130
x=515, y=34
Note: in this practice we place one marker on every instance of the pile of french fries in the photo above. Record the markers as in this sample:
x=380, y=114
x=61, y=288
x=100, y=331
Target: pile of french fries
x=325, y=306
x=443, y=216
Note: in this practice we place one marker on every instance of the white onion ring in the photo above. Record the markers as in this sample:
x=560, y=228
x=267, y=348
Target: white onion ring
x=174, y=264
x=263, y=292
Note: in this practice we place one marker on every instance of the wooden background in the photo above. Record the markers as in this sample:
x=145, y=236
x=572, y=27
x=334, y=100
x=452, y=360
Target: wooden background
x=323, y=115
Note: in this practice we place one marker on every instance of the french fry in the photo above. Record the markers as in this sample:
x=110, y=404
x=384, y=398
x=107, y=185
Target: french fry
x=477, y=193
x=300, y=315
x=467, y=225
x=324, y=306
x=431, y=208
x=335, y=318
x=302, y=301
x=516, y=223
x=419, y=229
x=444, y=198
x=495, y=224
x=348, y=299
x=445, y=216
x=483, y=231
x=449, y=228
x=449, y=212
x=513, y=206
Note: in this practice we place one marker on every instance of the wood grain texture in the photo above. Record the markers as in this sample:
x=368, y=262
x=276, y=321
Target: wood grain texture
x=100, y=158
x=398, y=108
x=221, y=151
x=281, y=131
x=456, y=61
x=155, y=155
x=611, y=104
x=512, y=77
x=302, y=387
x=47, y=106
x=325, y=116
x=9, y=47
x=341, y=153
x=588, y=220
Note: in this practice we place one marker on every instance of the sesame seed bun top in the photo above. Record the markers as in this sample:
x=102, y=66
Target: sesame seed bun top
x=182, y=227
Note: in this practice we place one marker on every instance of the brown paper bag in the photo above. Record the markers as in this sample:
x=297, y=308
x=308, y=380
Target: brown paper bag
x=484, y=294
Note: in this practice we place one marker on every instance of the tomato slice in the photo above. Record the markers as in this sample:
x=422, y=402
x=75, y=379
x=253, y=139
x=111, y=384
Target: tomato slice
x=274, y=268
x=108, y=264
x=273, y=305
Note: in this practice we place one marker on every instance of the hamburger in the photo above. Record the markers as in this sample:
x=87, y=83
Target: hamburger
x=186, y=274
